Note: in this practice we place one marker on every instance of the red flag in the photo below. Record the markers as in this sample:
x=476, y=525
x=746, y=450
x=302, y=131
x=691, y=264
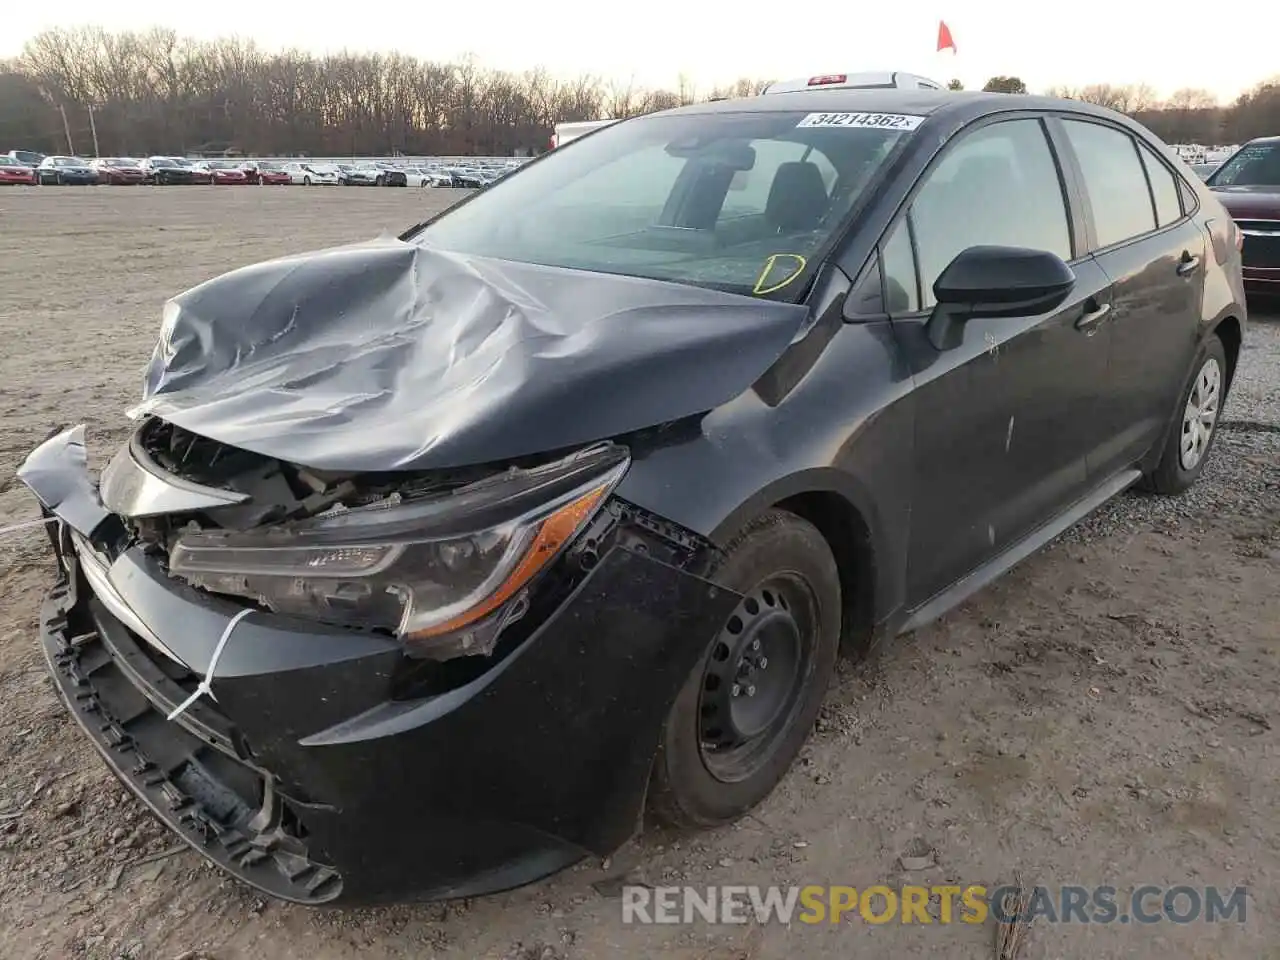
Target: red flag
x=944, y=37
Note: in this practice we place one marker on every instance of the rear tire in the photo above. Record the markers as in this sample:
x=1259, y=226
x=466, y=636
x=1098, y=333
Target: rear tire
x=735, y=727
x=1194, y=426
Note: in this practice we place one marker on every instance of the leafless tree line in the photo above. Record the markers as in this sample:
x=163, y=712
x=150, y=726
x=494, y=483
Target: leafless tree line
x=158, y=92
x=1191, y=115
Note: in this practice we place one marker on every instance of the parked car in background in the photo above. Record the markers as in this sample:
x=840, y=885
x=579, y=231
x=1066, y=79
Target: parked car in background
x=272, y=173
x=443, y=176
x=15, y=172
x=165, y=171
x=422, y=177
x=1248, y=185
x=120, y=171
x=1204, y=170
x=251, y=171
x=226, y=172
x=390, y=175
x=358, y=175
x=28, y=158
x=65, y=170
x=199, y=169
x=313, y=175
x=465, y=177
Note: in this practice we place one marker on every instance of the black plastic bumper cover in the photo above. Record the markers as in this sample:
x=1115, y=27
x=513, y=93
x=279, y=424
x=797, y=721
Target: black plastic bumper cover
x=306, y=781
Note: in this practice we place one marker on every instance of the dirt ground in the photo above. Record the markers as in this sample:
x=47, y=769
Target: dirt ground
x=1106, y=714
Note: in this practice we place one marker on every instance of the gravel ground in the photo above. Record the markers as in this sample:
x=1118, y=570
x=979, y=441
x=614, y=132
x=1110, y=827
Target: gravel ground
x=1104, y=714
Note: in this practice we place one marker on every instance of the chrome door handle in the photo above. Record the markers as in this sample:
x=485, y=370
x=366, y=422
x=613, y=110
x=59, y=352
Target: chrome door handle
x=1092, y=318
x=1187, y=266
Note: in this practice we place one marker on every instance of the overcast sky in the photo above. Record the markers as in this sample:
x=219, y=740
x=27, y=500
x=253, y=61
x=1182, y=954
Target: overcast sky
x=1086, y=41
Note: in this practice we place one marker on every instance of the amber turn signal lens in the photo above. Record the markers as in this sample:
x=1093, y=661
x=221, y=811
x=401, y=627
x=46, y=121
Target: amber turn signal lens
x=553, y=533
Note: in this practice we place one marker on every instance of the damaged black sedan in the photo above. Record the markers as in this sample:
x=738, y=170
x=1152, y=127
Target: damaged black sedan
x=432, y=563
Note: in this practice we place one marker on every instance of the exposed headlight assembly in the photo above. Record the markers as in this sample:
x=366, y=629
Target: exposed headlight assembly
x=444, y=573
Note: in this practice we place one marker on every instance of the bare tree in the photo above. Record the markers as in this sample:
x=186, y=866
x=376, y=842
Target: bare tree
x=156, y=92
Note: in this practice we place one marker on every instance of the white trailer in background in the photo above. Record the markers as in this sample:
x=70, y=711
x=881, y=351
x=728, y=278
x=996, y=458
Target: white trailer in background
x=572, y=131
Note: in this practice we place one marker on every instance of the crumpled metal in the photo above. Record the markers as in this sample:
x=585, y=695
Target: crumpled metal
x=389, y=355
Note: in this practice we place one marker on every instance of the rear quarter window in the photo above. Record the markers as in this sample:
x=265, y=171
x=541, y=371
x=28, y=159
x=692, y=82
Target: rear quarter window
x=1164, y=187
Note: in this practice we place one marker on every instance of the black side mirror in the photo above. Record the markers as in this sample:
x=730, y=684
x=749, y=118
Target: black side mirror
x=995, y=282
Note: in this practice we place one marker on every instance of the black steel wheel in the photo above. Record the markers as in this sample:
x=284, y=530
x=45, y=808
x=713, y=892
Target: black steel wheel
x=746, y=710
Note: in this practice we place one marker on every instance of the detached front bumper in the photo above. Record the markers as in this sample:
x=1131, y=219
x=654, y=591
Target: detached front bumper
x=306, y=778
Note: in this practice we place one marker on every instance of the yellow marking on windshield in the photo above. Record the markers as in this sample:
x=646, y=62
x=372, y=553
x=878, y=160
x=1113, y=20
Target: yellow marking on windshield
x=760, y=289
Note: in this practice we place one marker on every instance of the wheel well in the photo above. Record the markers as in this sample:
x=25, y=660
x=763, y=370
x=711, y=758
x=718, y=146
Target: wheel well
x=849, y=537
x=1228, y=331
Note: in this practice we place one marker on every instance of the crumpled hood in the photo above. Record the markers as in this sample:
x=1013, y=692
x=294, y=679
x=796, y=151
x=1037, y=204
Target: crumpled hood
x=387, y=356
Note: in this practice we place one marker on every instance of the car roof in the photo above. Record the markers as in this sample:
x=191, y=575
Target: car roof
x=962, y=103
x=1273, y=139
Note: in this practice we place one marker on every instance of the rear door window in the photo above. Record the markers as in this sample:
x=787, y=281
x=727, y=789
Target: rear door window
x=1115, y=180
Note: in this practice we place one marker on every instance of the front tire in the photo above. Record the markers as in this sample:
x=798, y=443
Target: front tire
x=747, y=708
x=1194, y=427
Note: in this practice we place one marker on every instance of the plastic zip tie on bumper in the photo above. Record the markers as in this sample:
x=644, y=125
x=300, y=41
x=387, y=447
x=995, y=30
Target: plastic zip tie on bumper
x=204, y=685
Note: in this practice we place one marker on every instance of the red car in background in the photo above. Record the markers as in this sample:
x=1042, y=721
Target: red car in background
x=226, y=172
x=272, y=173
x=1248, y=184
x=119, y=170
x=11, y=171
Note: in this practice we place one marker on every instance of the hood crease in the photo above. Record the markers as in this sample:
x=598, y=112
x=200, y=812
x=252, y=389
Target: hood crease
x=389, y=355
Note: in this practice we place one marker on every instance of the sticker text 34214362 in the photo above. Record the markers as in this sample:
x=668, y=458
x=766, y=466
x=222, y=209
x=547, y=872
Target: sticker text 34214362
x=874, y=121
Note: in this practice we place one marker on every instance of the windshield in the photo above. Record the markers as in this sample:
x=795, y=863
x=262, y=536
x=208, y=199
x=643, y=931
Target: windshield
x=162, y=162
x=744, y=202
x=1254, y=165
x=120, y=162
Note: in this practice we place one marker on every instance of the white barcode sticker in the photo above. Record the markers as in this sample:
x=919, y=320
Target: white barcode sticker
x=875, y=121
